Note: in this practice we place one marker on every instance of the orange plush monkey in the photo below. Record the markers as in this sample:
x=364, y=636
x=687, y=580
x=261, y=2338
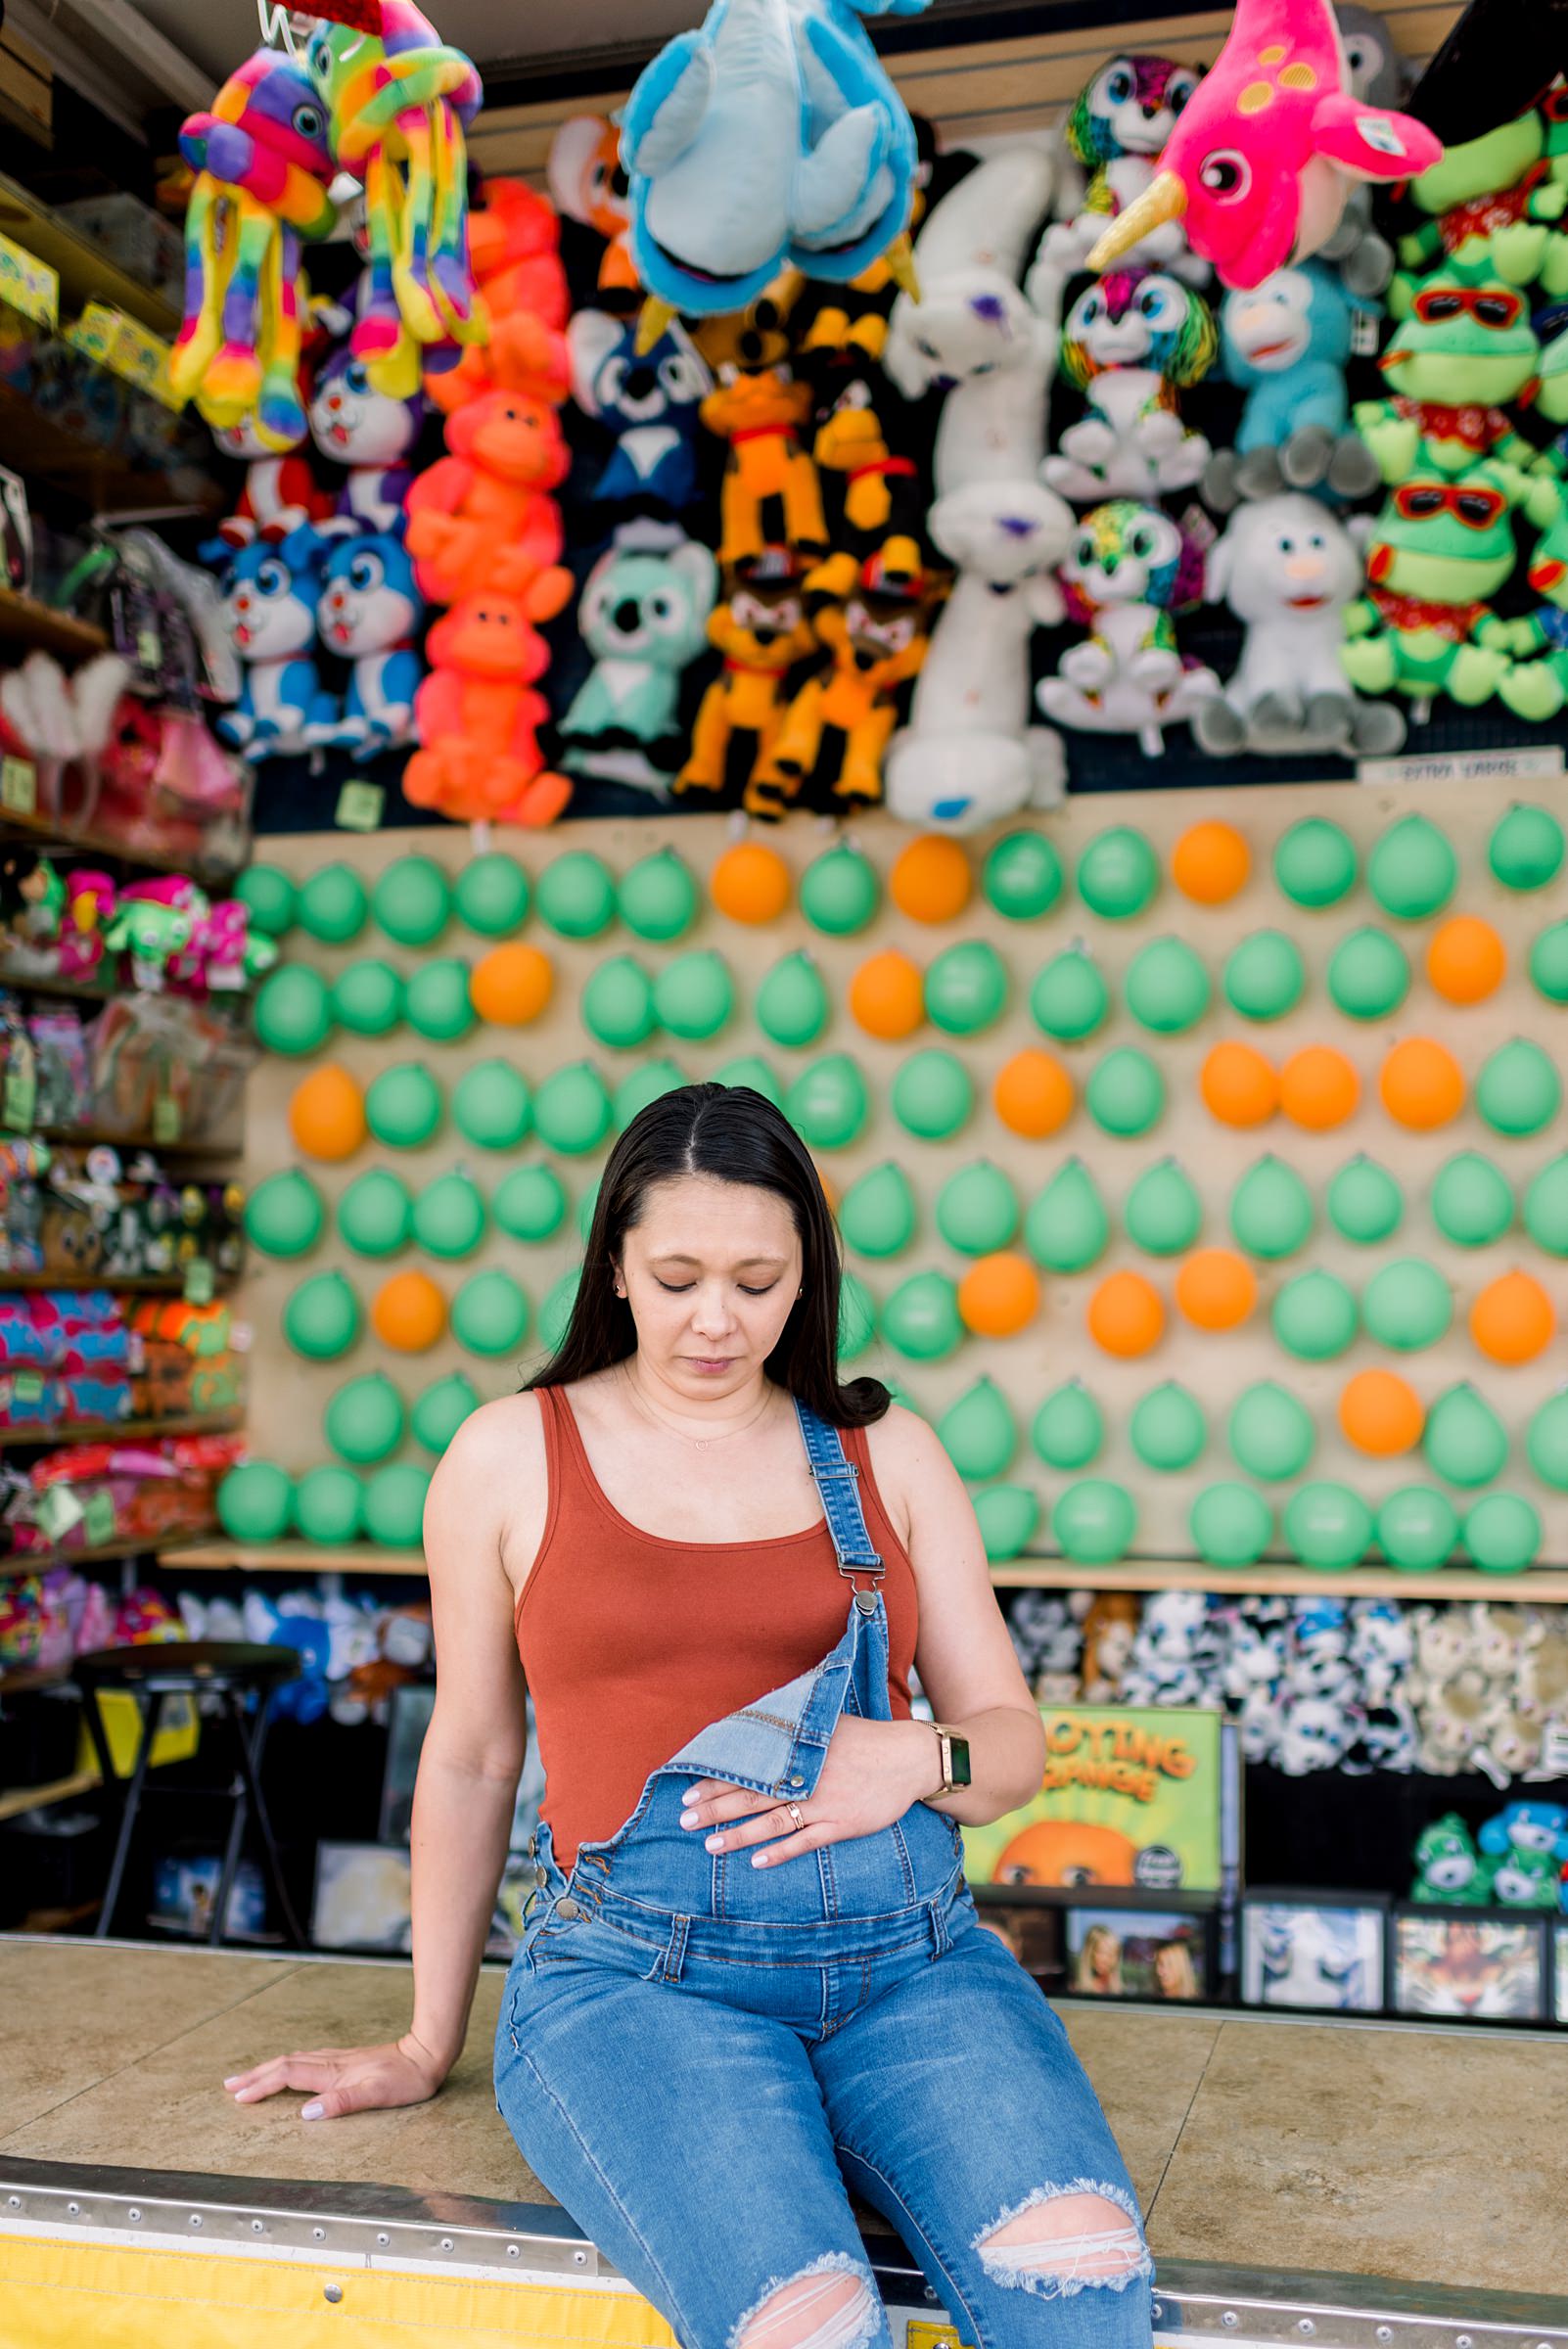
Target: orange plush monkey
x=479, y=714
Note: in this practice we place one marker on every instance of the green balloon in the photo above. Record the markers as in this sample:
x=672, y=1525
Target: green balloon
x=269, y=898
x=1472, y=1203
x=364, y=1420
x=394, y=1506
x=555, y=1312
x=1266, y=976
x=441, y=1409
x=648, y=1082
x=1094, y=1522
x=1407, y=1305
x=531, y=1205
x=293, y=1010
x=1231, y=1525
x=1167, y=1429
x=840, y=891
x=1118, y=874
x=1548, y=963
x=253, y=1501
x=920, y=1319
x=587, y=1206
x=490, y=1313
x=572, y=1110
x=617, y=1004
x=1314, y=862
x=412, y=900
x=1167, y=988
x=792, y=1003
x=1368, y=974
x=877, y=1214
x=1008, y=1516
x=748, y=1070
x=404, y=1106
x=449, y=1216
x=333, y=906
x=1519, y=1091
x=977, y=1210
x=1364, y=1202
x=576, y=895
x=858, y=1318
x=1067, y=1227
x=1271, y=1210
x=694, y=995
x=1327, y=1525
x=828, y=1103
x=1126, y=1092
x=966, y=988
x=979, y=1433
x=329, y=1505
x=1526, y=849
x=1418, y=1528
x=1503, y=1533
x=1315, y=1317
x=1069, y=1431
x=376, y=1215
x=933, y=1093
x=321, y=1318
x=1466, y=1443
x=1270, y=1434
x=492, y=894
x=284, y=1215
x=1547, y=1443
x=1163, y=1213
x=367, y=999
x=1069, y=999
x=436, y=1002
x=658, y=897
x=491, y=1105
x=1412, y=871
x=1021, y=878
x=1545, y=1208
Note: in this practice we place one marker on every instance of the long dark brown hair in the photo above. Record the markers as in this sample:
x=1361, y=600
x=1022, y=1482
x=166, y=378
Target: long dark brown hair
x=734, y=1134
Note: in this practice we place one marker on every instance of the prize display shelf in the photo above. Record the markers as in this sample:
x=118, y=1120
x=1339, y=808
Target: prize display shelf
x=120, y=1431
x=86, y=272
x=17, y=1798
x=48, y=831
x=26, y=621
x=87, y=472
x=129, y=1285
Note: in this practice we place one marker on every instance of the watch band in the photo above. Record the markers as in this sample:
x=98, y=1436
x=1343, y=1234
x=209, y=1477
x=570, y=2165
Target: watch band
x=953, y=1747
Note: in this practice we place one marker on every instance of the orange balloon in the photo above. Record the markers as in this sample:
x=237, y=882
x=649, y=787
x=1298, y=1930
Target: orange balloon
x=1513, y=1320
x=1210, y=862
x=511, y=984
x=998, y=1295
x=1125, y=1315
x=1034, y=1095
x=1422, y=1084
x=930, y=880
x=1216, y=1289
x=1381, y=1413
x=1319, y=1087
x=1466, y=961
x=409, y=1313
x=327, y=1114
x=1239, y=1086
x=830, y=1190
x=888, y=996
x=749, y=882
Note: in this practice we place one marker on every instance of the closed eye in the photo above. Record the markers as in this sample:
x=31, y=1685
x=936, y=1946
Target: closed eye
x=679, y=1288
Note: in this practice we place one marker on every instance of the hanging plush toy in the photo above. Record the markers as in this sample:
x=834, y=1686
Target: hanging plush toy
x=482, y=516
x=1130, y=342
x=281, y=491
x=880, y=512
x=1262, y=158
x=1130, y=567
x=649, y=401
x=371, y=435
x=1287, y=343
x=762, y=630
x=1117, y=126
x=479, y=713
x=269, y=607
x=1490, y=213
x=1538, y=689
x=760, y=414
x=514, y=249
x=827, y=755
x=1356, y=248
x=262, y=161
x=1462, y=352
x=644, y=616
x=588, y=183
x=369, y=613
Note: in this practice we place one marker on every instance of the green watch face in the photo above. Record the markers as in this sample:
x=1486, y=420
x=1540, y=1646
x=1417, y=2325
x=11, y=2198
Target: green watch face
x=958, y=1747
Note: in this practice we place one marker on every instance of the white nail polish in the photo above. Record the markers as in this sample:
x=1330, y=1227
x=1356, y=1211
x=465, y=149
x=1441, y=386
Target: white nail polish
x=311, y=2112
x=688, y=1819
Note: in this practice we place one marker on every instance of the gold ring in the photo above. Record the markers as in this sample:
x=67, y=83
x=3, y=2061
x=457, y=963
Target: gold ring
x=794, y=1810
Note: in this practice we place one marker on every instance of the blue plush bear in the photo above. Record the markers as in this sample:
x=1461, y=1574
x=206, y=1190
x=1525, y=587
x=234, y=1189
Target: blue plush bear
x=648, y=399
x=269, y=608
x=1285, y=343
x=368, y=613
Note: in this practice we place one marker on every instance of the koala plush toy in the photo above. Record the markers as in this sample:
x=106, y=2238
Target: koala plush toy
x=643, y=615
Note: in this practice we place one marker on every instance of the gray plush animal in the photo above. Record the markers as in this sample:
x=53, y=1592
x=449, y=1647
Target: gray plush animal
x=643, y=615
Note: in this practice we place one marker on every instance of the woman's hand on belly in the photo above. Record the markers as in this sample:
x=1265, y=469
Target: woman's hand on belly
x=871, y=1773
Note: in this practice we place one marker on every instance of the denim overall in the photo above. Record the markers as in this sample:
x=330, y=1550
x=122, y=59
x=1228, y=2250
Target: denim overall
x=617, y=2103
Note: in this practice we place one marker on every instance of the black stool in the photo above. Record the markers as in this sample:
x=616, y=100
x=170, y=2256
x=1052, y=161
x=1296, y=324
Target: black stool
x=239, y=1673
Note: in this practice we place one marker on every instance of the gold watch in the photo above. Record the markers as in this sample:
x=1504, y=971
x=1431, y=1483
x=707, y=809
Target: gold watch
x=955, y=1747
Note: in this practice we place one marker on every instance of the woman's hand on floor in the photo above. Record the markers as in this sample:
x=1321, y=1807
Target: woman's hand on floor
x=871, y=1773
x=345, y=2079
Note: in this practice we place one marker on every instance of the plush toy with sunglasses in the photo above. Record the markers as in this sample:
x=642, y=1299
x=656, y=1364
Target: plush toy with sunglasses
x=1463, y=352
x=1538, y=688
x=1491, y=212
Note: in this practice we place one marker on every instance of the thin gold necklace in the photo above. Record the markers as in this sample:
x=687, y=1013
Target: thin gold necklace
x=698, y=1443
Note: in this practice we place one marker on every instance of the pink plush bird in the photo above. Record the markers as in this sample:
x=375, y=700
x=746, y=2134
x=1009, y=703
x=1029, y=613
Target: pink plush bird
x=1261, y=160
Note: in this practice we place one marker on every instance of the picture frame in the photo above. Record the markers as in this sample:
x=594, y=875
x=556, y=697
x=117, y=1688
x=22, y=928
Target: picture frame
x=1152, y=1950
x=1032, y=1930
x=1320, y=1951
x=409, y=1720
x=1560, y=1970
x=1470, y=1963
x=363, y=1901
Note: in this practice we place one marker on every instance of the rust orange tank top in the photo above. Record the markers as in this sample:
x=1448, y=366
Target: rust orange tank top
x=631, y=1644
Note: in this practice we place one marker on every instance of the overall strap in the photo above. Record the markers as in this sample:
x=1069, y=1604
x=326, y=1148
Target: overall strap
x=838, y=1479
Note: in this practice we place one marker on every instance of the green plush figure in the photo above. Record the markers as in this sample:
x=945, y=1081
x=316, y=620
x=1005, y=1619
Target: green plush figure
x=1554, y=118
x=1491, y=208
x=1437, y=550
x=1538, y=689
x=1521, y=1880
x=1460, y=355
x=1447, y=1864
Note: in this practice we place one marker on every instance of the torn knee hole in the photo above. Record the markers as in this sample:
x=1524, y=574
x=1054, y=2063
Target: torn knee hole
x=1078, y=2238
x=823, y=2311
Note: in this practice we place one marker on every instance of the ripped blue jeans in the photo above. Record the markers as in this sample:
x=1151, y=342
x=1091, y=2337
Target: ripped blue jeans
x=696, y=2057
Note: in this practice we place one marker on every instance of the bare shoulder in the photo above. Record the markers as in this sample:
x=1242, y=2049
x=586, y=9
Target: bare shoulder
x=911, y=1466
x=508, y=1434
x=492, y=1481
